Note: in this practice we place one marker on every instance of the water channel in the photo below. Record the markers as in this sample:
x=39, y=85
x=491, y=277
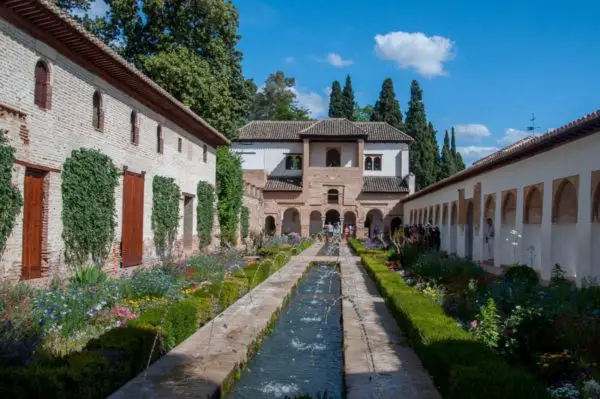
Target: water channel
x=303, y=354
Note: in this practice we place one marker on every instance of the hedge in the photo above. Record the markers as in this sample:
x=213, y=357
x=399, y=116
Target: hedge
x=460, y=366
x=111, y=360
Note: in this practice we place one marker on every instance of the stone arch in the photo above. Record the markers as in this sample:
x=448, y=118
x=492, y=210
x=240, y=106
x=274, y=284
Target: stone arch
x=564, y=207
x=332, y=216
x=533, y=207
x=42, y=96
x=489, y=209
x=509, y=209
x=333, y=158
x=316, y=223
x=368, y=163
x=374, y=222
x=270, y=225
x=350, y=218
x=291, y=221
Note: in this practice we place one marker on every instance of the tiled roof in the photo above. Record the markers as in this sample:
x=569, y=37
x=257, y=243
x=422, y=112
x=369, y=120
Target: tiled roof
x=511, y=147
x=575, y=130
x=281, y=183
x=48, y=23
x=383, y=131
x=333, y=127
x=384, y=184
x=293, y=130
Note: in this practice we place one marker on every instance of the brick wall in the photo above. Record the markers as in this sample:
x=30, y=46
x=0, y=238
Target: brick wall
x=46, y=138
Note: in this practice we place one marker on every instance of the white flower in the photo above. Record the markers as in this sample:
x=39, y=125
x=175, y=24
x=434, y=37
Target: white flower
x=519, y=236
x=515, y=244
x=513, y=232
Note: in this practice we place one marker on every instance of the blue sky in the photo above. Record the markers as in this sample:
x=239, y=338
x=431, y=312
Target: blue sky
x=483, y=68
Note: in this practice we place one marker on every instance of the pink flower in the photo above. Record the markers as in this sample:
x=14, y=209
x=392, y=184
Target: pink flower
x=474, y=324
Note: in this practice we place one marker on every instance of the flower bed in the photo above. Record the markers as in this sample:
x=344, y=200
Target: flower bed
x=462, y=367
x=85, y=340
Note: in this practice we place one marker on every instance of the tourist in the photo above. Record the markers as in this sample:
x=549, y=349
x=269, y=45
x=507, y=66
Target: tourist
x=346, y=231
x=437, y=239
x=489, y=238
x=329, y=232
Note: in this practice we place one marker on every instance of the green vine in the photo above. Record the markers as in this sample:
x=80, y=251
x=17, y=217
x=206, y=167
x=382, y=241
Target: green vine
x=244, y=221
x=230, y=189
x=89, y=179
x=10, y=196
x=205, y=213
x=165, y=214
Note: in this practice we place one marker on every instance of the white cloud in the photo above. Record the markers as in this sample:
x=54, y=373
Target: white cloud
x=336, y=60
x=313, y=102
x=289, y=60
x=472, y=131
x=327, y=90
x=512, y=136
x=426, y=54
x=472, y=153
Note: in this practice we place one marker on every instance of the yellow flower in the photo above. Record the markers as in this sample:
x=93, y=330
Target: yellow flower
x=545, y=364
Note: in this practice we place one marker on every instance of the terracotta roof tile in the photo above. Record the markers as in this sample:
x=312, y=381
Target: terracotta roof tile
x=384, y=184
x=283, y=183
x=574, y=130
x=293, y=130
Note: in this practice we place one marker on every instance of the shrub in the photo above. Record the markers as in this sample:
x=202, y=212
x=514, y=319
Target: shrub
x=153, y=282
x=521, y=275
x=461, y=366
x=244, y=221
x=88, y=275
x=206, y=267
x=488, y=329
x=10, y=196
x=206, y=212
x=230, y=189
x=176, y=322
x=165, y=214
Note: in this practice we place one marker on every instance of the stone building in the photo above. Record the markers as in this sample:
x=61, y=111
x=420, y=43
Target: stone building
x=62, y=89
x=333, y=170
x=542, y=195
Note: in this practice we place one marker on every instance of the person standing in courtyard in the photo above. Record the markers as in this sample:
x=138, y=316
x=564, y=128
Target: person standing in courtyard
x=489, y=238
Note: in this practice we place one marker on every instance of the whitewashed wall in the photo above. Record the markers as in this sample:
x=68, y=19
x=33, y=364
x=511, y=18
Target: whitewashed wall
x=394, y=158
x=575, y=247
x=269, y=156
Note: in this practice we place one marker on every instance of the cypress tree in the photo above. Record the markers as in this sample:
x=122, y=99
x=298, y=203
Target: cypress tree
x=459, y=164
x=348, y=98
x=434, y=154
x=387, y=108
x=453, y=143
x=336, y=101
x=416, y=127
x=447, y=167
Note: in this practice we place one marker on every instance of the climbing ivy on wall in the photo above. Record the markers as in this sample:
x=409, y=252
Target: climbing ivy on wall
x=165, y=214
x=244, y=221
x=205, y=212
x=89, y=179
x=10, y=196
x=230, y=189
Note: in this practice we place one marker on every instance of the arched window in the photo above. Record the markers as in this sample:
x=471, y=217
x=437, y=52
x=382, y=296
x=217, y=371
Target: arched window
x=98, y=116
x=332, y=158
x=289, y=162
x=159, y=139
x=368, y=163
x=333, y=196
x=135, y=128
x=377, y=163
x=298, y=162
x=204, y=153
x=42, y=96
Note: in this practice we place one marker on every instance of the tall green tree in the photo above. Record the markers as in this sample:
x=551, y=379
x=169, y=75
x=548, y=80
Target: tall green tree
x=180, y=33
x=459, y=164
x=387, y=108
x=447, y=167
x=348, y=97
x=453, y=142
x=277, y=101
x=433, y=158
x=416, y=127
x=336, y=101
x=363, y=114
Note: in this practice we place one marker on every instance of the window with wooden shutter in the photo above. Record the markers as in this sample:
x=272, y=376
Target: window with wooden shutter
x=43, y=90
x=98, y=111
x=159, y=140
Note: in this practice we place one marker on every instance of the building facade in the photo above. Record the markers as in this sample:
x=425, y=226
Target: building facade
x=61, y=89
x=542, y=196
x=333, y=170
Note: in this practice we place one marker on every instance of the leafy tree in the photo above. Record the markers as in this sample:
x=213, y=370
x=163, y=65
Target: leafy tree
x=205, y=211
x=387, y=108
x=348, y=97
x=208, y=30
x=277, y=100
x=230, y=189
x=362, y=114
x=336, y=101
x=447, y=167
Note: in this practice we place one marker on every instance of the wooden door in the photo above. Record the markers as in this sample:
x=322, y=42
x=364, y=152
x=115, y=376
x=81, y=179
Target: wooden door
x=188, y=222
x=132, y=234
x=32, y=224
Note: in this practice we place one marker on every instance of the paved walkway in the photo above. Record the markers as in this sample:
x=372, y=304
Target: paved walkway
x=379, y=363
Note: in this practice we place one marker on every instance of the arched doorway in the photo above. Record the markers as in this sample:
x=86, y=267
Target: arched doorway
x=595, y=266
x=316, y=224
x=333, y=158
x=469, y=232
x=269, y=225
x=332, y=216
x=374, y=222
x=291, y=221
x=453, y=228
x=395, y=225
x=350, y=220
x=489, y=217
x=564, y=227
x=508, y=222
x=532, y=228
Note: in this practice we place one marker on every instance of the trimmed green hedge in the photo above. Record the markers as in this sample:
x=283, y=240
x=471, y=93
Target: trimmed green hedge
x=462, y=368
x=120, y=354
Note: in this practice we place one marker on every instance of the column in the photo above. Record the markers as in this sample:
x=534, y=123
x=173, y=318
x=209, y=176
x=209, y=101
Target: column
x=519, y=224
x=360, y=150
x=584, y=226
x=498, y=229
x=546, y=233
